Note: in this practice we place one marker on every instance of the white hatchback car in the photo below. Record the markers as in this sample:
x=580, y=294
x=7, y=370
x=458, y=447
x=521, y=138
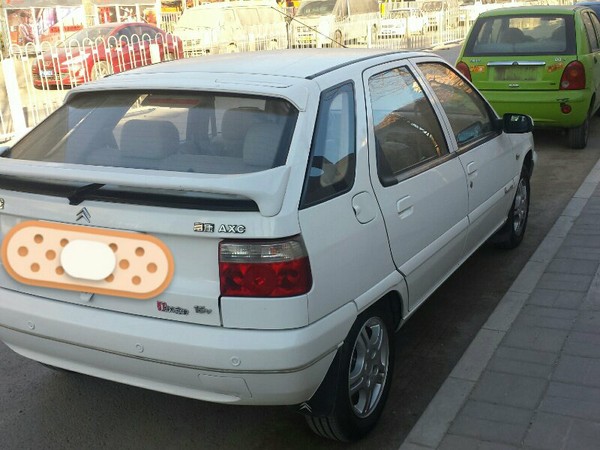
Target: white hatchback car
x=253, y=228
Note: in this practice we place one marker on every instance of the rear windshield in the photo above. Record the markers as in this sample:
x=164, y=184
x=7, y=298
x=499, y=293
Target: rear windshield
x=182, y=132
x=522, y=35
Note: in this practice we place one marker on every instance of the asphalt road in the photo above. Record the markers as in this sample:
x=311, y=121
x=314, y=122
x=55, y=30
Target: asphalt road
x=45, y=409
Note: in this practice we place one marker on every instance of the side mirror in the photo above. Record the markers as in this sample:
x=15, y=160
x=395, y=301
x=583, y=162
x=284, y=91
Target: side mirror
x=517, y=123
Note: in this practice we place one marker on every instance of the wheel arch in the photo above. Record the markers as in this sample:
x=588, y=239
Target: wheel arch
x=322, y=401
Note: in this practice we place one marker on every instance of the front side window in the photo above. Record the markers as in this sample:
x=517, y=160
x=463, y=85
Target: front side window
x=469, y=116
x=332, y=159
x=543, y=34
x=407, y=131
x=172, y=131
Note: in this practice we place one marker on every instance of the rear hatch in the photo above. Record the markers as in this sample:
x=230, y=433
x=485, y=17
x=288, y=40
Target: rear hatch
x=520, y=52
x=119, y=200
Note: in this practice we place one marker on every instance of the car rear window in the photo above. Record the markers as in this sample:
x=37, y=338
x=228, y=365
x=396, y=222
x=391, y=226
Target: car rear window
x=541, y=34
x=171, y=131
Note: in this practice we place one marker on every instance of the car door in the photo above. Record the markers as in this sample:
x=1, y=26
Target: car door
x=487, y=154
x=420, y=185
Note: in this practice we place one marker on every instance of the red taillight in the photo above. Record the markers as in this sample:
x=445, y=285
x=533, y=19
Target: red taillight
x=264, y=268
x=464, y=69
x=573, y=77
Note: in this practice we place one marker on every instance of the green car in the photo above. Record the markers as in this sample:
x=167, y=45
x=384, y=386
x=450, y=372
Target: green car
x=543, y=61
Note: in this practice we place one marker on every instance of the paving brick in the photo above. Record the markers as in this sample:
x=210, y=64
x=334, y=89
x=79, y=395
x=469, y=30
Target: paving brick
x=573, y=401
x=584, y=435
x=533, y=315
x=592, y=299
x=507, y=365
x=565, y=281
x=556, y=299
x=581, y=251
x=496, y=413
x=577, y=370
x=588, y=322
x=524, y=355
x=509, y=389
x=573, y=391
x=573, y=266
x=487, y=430
x=582, y=241
x=452, y=442
x=583, y=344
x=548, y=432
x=535, y=338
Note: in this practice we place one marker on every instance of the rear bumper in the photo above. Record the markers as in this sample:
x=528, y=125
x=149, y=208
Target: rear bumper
x=543, y=106
x=282, y=367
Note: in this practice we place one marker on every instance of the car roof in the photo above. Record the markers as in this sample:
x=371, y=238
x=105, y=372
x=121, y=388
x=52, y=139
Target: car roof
x=517, y=10
x=297, y=63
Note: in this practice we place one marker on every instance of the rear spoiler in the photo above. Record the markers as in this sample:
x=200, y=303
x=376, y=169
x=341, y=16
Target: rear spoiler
x=266, y=188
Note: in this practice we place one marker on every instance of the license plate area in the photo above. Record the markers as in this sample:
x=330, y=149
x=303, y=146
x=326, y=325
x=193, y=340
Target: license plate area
x=515, y=73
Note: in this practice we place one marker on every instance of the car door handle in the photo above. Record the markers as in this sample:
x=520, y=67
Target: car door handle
x=404, y=206
x=471, y=168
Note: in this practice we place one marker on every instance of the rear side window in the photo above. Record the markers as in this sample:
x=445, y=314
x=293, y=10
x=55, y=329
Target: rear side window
x=332, y=158
x=543, y=34
x=591, y=31
x=171, y=131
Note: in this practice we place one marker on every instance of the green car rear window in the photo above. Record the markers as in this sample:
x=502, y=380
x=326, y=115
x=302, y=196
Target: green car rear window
x=541, y=34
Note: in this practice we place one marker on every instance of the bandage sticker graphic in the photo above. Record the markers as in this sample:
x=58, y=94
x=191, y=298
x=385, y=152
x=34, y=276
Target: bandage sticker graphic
x=87, y=259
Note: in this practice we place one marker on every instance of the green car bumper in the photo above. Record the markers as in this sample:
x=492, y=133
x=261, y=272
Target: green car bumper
x=545, y=107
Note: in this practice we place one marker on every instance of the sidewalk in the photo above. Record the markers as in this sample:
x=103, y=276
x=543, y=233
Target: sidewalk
x=531, y=377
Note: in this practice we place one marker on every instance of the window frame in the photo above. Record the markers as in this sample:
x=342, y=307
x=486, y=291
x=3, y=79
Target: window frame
x=494, y=119
x=409, y=172
x=304, y=201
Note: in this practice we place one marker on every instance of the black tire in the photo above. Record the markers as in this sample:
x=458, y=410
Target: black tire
x=511, y=234
x=367, y=365
x=578, y=136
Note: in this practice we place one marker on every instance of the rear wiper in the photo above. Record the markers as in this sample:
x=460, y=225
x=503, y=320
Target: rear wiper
x=79, y=195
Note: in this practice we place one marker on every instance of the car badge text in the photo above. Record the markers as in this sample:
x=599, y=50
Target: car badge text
x=203, y=227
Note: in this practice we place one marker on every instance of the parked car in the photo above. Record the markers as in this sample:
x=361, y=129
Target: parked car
x=400, y=22
x=441, y=13
x=542, y=61
x=252, y=228
x=101, y=50
x=229, y=27
x=335, y=23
